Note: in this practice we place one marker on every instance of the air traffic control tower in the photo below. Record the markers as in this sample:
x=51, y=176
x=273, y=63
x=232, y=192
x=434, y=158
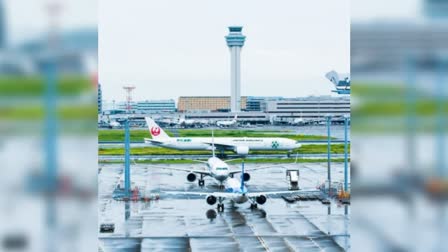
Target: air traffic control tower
x=235, y=41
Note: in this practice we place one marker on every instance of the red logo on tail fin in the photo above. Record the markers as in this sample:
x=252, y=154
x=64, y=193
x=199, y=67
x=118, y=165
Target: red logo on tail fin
x=155, y=131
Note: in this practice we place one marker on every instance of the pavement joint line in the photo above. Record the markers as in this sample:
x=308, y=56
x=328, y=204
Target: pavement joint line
x=231, y=230
x=318, y=229
x=229, y=236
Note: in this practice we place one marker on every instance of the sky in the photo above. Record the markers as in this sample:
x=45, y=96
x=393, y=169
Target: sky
x=173, y=48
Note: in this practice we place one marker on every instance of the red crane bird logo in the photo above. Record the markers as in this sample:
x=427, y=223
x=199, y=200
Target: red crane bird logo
x=155, y=131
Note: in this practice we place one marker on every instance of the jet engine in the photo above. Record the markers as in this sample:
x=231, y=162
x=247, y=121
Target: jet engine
x=246, y=177
x=211, y=200
x=242, y=150
x=191, y=177
x=261, y=199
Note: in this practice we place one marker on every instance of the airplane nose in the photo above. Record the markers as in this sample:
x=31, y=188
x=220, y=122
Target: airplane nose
x=221, y=177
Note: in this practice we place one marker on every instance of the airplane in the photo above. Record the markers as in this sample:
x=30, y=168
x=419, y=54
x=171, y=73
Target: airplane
x=230, y=123
x=236, y=191
x=114, y=124
x=217, y=169
x=297, y=121
x=186, y=123
x=302, y=121
x=239, y=145
x=340, y=81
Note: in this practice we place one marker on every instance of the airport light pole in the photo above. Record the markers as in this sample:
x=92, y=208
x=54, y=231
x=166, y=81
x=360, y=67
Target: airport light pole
x=329, y=154
x=345, y=153
x=51, y=127
x=127, y=163
x=440, y=139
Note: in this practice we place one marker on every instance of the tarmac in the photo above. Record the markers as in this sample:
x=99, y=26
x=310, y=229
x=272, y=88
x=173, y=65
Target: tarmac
x=181, y=223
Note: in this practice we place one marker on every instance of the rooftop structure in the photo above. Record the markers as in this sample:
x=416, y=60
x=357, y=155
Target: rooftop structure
x=155, y=106
x=313, y=107
x=207, y=103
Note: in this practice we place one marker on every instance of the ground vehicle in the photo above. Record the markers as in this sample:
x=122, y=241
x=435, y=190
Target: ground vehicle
x=292, y=176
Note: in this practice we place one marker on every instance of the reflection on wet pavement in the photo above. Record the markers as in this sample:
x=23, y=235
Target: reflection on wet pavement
x=180, y=223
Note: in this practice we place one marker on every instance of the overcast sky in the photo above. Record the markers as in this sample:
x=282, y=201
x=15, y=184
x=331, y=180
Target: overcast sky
x=176, y=47
x=171, y=48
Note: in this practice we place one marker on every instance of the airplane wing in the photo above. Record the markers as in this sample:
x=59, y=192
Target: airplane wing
x=216, y=194
x=221, y=146
x=249, y=194
x=256, y=168
x=199, y=161
x=256, y=194
x=199, y=171
x=152, y=141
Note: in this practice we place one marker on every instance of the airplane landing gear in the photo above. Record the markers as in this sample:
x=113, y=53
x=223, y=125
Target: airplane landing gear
x=253, y=206
x=201, y=181
x=220, y=207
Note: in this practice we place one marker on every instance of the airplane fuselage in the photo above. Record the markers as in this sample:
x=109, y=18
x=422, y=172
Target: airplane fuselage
x=203, y=143
x=233, y=185
x=219, y=169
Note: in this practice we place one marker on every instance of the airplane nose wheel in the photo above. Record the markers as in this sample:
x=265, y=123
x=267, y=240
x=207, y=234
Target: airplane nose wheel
x=220, y=208
x=253, y=206
x=201, y=182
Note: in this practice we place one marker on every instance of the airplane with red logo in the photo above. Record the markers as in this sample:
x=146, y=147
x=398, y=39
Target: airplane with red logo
x=239, y=145
x=216, y=168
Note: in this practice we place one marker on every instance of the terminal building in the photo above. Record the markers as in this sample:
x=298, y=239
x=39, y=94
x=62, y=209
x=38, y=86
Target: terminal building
x=270, y=109
x=259, y=110
x=149, y=106
x=207, y=103
x=313, y=107
x=100, y=100
x=258, y=103
x=156, y=106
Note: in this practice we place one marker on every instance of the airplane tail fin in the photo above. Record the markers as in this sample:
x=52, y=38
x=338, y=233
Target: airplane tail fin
x=236, y=117
x=155, y=130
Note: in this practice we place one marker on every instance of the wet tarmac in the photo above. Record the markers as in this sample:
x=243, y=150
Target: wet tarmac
x=181, y=223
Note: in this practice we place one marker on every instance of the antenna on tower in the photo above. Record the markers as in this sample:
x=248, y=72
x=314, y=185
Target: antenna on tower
x=129, y=90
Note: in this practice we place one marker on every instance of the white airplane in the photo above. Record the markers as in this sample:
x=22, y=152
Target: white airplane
x=239, y=145
x=341, y=81
x=186, y=122
x=236, y=191
x=216, y=168
x=297, y=121
x=230, y=123
x=114, y=124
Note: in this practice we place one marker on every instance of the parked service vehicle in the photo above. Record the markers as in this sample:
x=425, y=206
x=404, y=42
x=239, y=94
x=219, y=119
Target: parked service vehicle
x=292, y=176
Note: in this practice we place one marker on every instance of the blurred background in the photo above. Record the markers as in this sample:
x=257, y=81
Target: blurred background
x=48, y=111
x=399, y=70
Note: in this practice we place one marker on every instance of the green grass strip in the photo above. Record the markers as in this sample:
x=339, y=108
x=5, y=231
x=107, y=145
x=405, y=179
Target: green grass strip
x=305, y=149
x=266, y=161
